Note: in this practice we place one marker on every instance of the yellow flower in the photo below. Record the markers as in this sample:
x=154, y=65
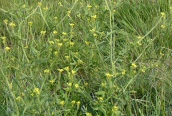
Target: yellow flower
x=78, y=103
x=139, y=37
x=88, y=114
x=46, y=71
x=60, y=4
x=108, y=75
x=52, y=81
x=67, y=68
x=71, y=43
x=62, y=103
x=54, y=32
x=80, y=61
x=114, y=109
x=69, y=84
x=114, y=11
x=3, y=39
x=100, y=98
x=73, y=72
x=87, y=43
x=51, y=42
x=36, y=91
x=55, y=53
x=7, y=48
x=55, y=18
x=64, y=33
x=30, y=23
x=72, y=25
x=60, y=70
x=39, y=4
x=73, y=102
x=43, y=32
x=76, y=86
x=60, y=44
x=94, y=17
x=162, y=26
x=24, y=6
x=89, y=6
x=163, y=15
x=6, y=21
x=103, y=84
x=45, y=8
x=123, y=72
x=139, y=43
x=18, y=98
x=134, y=65
x=12, y=24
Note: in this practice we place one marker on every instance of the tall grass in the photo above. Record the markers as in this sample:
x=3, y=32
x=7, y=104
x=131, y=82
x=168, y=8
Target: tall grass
x=90, y=58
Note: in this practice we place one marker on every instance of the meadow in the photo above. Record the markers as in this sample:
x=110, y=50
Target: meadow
x=85, y=57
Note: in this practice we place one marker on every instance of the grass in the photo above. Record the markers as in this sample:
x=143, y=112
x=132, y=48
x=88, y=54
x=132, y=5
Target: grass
x=85, y=58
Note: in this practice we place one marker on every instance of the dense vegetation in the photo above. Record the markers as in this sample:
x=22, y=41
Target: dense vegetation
x=85, y=57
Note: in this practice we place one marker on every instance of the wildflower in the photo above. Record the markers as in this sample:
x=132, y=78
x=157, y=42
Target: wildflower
x=36, y=91
x=72, y=25
x=3, y=39
x=76, y=86
x=161, y=54
x=7, y=48
x=65, y=39
x=87, y=43
x=30, y=23
x=46, y=71
x=78, y=103
x=100, y=98
x=45, y=8
x=39, y=4
x=108, y=75
x=67, y=68
x=86, y=84
x=134, y=65
x=103, y=84
x=6, y=21
x=88, y=114
x=24, y=6
x=123, y=72
x=60, y=44
x=95, y=35
x=162, y=26
x=73, y=102
x=12, y=24
x=55, y=18
x=54, y=32
x=62, y=103
x=139, y=37
x=79, y=61
x=51, y=42
x=52, y=81
x=43, y=32
x=92, y=30
x=163, y=15
x=114, y=109
x=114, y=11
x=73, y=72
x=68, y=13
x=64, y=33
x=89, y=6
x=139, y=43
x=71, y=43
x=55, y=53
x=60, y=70
x=18, y=98
x=94, y=17
x=69, y=84
x=60, y=4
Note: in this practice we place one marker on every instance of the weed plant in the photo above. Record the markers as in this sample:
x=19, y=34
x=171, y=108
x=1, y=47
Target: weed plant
x=85, y=58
